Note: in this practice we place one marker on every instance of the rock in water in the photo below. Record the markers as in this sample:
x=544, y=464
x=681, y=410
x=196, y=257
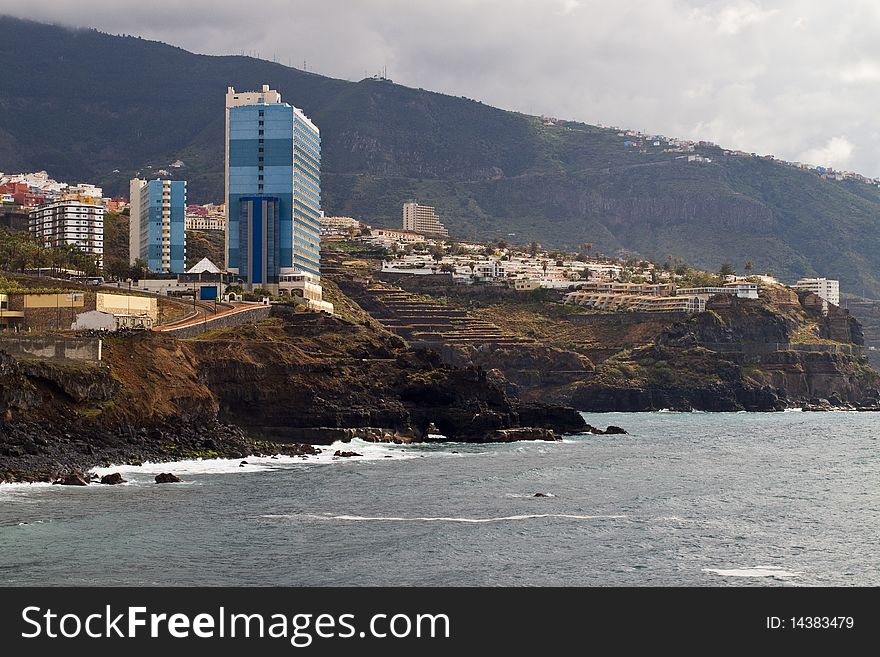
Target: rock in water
x=242, y=464
x=541, y=495
x=346, y=454
x=112, y=479
x=72, y=479
x=166, y=478
x=613, y=430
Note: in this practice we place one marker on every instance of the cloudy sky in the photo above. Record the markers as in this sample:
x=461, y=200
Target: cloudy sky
x=796, y=78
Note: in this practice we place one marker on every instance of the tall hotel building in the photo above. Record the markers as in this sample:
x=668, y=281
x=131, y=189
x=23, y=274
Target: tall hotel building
x=273, y=191
x=422, y=219
x=76, y=222
x=157, y=228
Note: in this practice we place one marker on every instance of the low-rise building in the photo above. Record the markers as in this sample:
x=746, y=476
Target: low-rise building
x=613, y=287
x=636, y=302
x=525, y=284
x=826, y=288
x=59, y=310
x=306, y=286
x=341, y=226
x=741, y=290
x=206, y=222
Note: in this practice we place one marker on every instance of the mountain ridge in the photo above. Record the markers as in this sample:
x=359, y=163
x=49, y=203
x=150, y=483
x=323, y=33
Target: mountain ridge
x=80, y=103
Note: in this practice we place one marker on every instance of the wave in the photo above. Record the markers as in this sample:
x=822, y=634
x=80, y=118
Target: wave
x=530, y=516
x=757, y=571
x=368, y=451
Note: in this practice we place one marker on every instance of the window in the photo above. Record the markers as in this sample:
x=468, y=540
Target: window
x=261, y=133
x=260, y=177
x=261, y=149
x=262, y=112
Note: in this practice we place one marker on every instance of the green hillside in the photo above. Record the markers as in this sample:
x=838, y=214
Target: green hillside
x=80, y=104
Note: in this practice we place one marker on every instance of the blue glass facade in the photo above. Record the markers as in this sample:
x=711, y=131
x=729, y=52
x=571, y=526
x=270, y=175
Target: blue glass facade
x=259, y=246
x=274, y=155
x=163, y=226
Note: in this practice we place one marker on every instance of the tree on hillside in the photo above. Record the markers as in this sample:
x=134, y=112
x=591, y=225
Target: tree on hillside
x=118, y=270
x=726, y=269
x=139, y=269
x=749, y=266
x=533, y=249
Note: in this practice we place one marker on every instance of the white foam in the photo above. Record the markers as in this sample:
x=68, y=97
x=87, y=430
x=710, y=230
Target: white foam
x=757, y=571
x=22, y=490
x=351, y=518
x=369, y=452
x=797, y=409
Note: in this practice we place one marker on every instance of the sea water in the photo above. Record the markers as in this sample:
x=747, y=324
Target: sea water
x=690, y=499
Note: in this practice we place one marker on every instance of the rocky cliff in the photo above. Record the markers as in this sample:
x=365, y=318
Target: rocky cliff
x=304, y=378
x=786, y=348
x=741, y=354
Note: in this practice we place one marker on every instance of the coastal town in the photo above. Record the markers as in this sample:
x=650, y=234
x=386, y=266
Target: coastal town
x=513, y=337
x=71, y=217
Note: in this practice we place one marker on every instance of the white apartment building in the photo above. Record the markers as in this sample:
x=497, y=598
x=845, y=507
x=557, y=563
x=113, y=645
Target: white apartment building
x=87, y=190
x=70, y=222
x=339, y=225
x=826, y=288
x=422, y=219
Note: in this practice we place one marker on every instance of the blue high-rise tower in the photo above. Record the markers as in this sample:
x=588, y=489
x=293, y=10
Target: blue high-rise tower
x=273, y=190
x=158, y=224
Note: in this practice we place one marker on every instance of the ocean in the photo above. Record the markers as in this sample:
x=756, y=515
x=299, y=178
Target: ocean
x=686, y=499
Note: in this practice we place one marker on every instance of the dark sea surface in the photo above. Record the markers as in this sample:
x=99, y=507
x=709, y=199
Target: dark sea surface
x=687, y=499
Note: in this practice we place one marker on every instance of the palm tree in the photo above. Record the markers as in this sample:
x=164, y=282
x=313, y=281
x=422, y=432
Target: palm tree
x=748, y=267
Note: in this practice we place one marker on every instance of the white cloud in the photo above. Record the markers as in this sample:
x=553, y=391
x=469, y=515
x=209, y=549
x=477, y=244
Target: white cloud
x=836, y=153
x=735, y=18
x=865, y=70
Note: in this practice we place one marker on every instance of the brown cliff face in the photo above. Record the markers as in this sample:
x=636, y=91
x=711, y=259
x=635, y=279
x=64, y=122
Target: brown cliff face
x=316, y=371
x=741, y=354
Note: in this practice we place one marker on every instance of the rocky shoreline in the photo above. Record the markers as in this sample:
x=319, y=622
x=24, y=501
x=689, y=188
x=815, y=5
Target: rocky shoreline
x=36, y=452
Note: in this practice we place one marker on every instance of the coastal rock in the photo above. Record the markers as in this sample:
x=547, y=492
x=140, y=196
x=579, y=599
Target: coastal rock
x=112, y=479
x=346, y=454
x=612, y=429
x=521, y=433
x=72, y=479
x=167, y=478
x=561, y=419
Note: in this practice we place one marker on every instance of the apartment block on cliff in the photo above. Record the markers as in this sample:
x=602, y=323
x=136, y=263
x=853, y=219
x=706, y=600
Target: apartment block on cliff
x=422, y=219
x=826, y=288
x=273, y=189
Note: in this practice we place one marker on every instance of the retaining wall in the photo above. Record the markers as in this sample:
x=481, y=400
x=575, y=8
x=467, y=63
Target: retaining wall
x=248, y=316
x=51, y=347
